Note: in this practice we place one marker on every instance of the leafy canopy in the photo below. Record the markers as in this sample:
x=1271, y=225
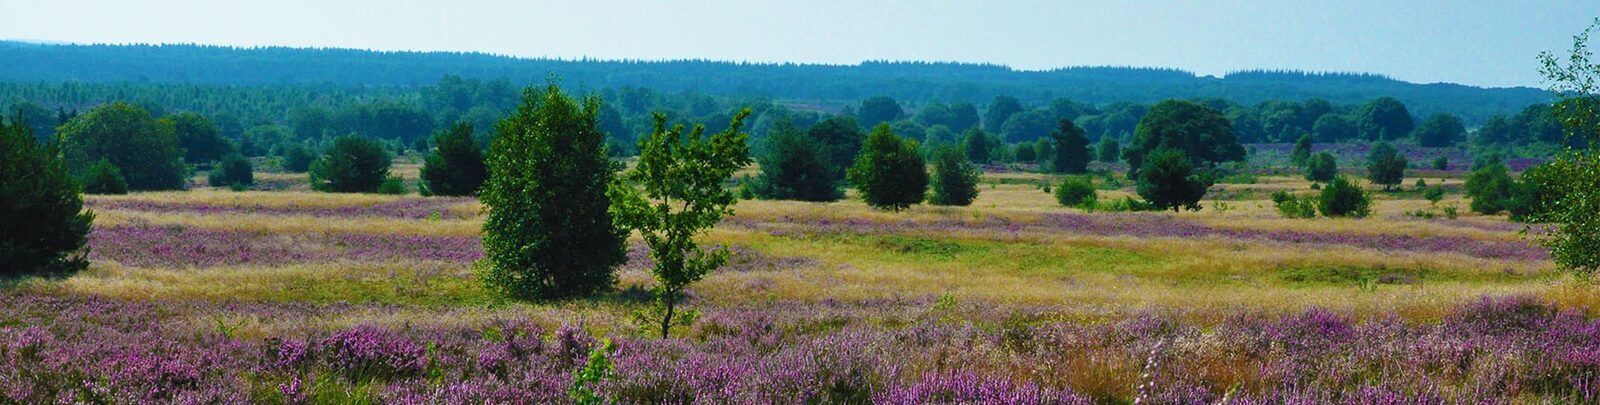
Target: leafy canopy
x=890, y=173
x=41, y=211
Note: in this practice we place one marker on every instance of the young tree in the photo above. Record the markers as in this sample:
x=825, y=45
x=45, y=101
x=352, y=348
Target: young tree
x=1322, y=167
x=1201, y=133
x=1490, y=187
x=455, y=167
x=1302, y=151
x=674, y=193
x=1168, y=181
x=1044, y=149
x=104, y=178
x=352, y=164
x=793, y=167
x=1072, y=149
x=126, y=135
x=1108, y=150
x=549, y=232
x=1570, y=186
x=41, y=212
x=975, y=145
x=955, y=180
x=1440, y=130
x=1385, y=166
x=233, y=171
x=297, y=158
x=1343, y=198
x=840, y=139
x=200, y=139
x=889, y=172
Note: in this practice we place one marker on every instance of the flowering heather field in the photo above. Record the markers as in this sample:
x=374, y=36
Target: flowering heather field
x=210, y=296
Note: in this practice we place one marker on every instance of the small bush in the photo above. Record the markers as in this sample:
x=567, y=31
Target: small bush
x=392, y=185
x=1076, y=191
x=1124, y=204
x=1321, y=167
x=1433, y=194
x=104, y=178
x=1342, y=198
x=297, y=159
x=1441, y=163
x=233, y=171
x=1293, y=206
x=456, y=167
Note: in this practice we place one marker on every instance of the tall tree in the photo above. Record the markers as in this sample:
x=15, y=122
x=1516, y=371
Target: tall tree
x=1385, y=166
x=965, y=116
x=840, y=139
x=549, y=232
x=1027, y=126
x=1201, y=133
x=1440, y=130
x=1108, y=150
x=1072, y=149
x=41, y=209
x=1333, y=128
x=793, y=167
x=456, y=165
x=128, y=137
x=1571, y=182
x=675, y=193
x=955, y=180
x=890, y=173
x=1384, y=119
x=975, y=145
x=878, y=110
x=1000, y=110
x=200, y=139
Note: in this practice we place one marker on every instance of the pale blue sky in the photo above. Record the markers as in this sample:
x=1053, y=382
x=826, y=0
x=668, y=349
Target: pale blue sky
x=1488, y=43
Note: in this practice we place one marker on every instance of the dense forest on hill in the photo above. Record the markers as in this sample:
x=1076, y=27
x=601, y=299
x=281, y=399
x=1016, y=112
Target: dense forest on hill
x=912, y=83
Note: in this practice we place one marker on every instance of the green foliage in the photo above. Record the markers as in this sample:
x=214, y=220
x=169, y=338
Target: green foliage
x=1343, y=198
x=1385, y=166
x=1384, y=119
x=1301, y=155
x=1026, y=152
x=878, y=110
x=297, y=158
x=1044, y=148
x=1433, y=195
x=1108, y=150
x=1293, y=206
x=1202, y=134
x=1000, y=110
x=392, y=185
x=889, y=173
x=793, y=167
x=104, y=178
x=1440, y=130
x=840, y=139
x=1490, y=188
x=549, y=231
x=129, y=138
x=455, y=168
x=233, y=171
x=200, y=139
x=595, y=371
x=352, y=164
x=1076, y=191
x=1333, y=128
x=1072, y=149
x=675, y=192
x=954, y=180
x=1322, y=167
x=1168, y=181
x=1027, y=126
x=975, y=144
x=1569, y=188
x=1441, y=163
x=41, y=212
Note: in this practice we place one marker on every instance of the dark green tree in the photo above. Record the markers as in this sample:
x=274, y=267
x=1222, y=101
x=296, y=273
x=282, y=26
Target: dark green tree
x=1027, y=126
x=455, y=168
x=975, y=145
x=1301, y=154
x=878, y=110
x=1343, y=198
x=549, y=232
x=104, y=178
x=889, y=173
x=1384, y=119
x=1076, y=191
x=1108, y=150
x=1385, y=166
x=955, y=180
x=1440, y=130
x=353, y=164
x=1044, y=149
x=1322, y=167
x=1025, y=152
x=1168, y=181
x=41, y=211
x=297, y=158
x=1332, y=128
x=1000, y=110
x=1072, y=149
x=965, y=117
x=793, y=167
x=200, y=139
x=129, y=138
x=233, y=171
x=840, y=139
x=1490, y=187
x=1201, y=133
x=675, y=193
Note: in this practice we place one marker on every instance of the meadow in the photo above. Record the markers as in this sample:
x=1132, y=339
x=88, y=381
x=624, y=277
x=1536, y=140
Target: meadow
x=284, y=295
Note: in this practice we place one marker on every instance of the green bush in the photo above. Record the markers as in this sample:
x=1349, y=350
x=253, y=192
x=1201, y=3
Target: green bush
x=1441, y=163
x=1293, y=206
x=549, y=232
x=104, y=178
x=1490, y=188
x=1168, y=181
x=41, y=213
x=1301, y=154
x=297, y=158
x=455, y=168
x=233, y=171
x=889, y=173
x=1108, y=150
x=1343, y=198
x=1385, y=166
x=1076, y=191
x=351, y=165
x=392, y=185
x=1321, y=167
x=955, y=180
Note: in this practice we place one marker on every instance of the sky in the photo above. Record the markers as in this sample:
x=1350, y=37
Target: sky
x=1483, y=43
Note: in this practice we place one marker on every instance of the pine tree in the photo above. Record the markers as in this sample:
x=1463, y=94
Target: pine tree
x=955, y=180
x=455, y=168
x=889, y=172
x=41, y=211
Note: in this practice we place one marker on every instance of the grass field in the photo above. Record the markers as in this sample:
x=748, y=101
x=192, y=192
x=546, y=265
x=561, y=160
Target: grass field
x=288, y=295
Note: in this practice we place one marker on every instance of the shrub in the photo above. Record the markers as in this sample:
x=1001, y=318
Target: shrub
x=1076, y=191
x=1026, y=152
x=455, y=167
x=126, y=135
x=793, y=167
x=1321, y=167
x=1385, y=166
x=1433, y=194
x=392, y=185
x=104, y=178
x=233, y=171
x=1343, y=198
x=889, y=172
x=955, y=180
x=1167, y=180
x=297, y=158
x=1441, y=163
x=41, y=211
x=1294, y=206
x=1301, y=155
x=1108, y=150
x=351, y=165
x=1489, y=187
x=549, y=232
